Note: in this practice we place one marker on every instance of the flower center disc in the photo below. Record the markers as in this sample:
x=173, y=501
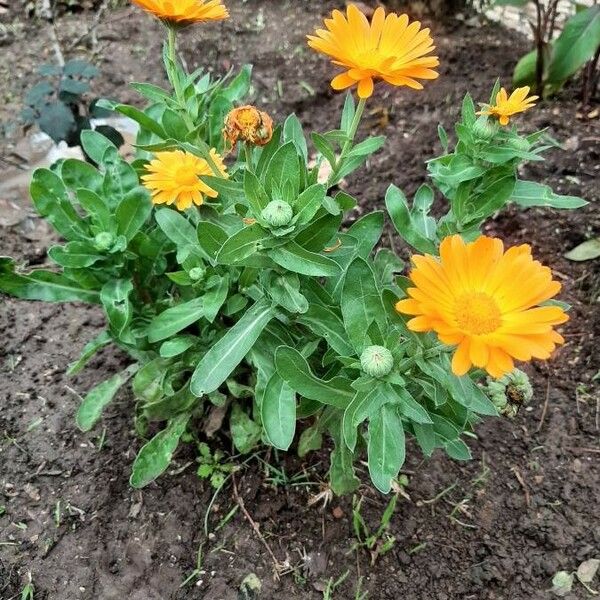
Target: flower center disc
x=477, y=313
x=186, y=176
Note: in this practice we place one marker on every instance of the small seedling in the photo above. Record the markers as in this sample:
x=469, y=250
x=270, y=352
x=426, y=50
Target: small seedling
x=211, y=466
x=379, y=542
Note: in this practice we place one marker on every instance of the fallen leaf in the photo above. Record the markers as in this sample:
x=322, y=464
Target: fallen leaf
x=587, y=570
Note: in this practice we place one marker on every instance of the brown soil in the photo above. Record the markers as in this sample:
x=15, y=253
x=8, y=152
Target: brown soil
x=501, y=525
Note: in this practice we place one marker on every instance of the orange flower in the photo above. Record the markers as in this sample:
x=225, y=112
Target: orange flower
x=506, y=106
x=486, y=302
x=185, y=12
x=174, y=177
x=248, y=124
x=388, y=48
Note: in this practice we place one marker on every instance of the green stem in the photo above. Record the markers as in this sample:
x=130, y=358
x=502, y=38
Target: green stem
x=174, y=76
x=248, y=153
x=349, y=142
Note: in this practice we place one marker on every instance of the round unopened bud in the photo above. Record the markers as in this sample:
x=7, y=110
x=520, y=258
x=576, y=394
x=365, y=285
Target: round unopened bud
x=376, y=361
x=104, y=240
x=484, y=130
x=277, y=213
x=196, y=273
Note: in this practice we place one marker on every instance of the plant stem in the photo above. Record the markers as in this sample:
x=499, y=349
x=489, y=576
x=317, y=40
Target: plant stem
x=174, y=76
x=248, y=154
x=349, y=142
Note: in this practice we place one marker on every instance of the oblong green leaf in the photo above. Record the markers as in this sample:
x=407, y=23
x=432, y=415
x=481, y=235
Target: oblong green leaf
x=278, y=412
x=174, y=319
x=294, y=257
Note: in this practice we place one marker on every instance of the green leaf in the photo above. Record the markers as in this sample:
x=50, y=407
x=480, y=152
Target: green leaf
x=215, y=297
x=239, y=86
x=458, y=450
x=101, y=340
x=255, y=193
x=587, y=250
x=402, y=219
x=96, y=207
x=57, y=120
x=324, y=322
x=211, y=237
x=180, y=231
x=317, y=234
x=367, y=147
x=283, y=168
x=177, y=345
x=145, y=121
x=284, y=289
x=224, y=356
x=278, y=412
x=79, y=174
x=363, y=406
x=133, y=211
x=155, y=456
x=43, y=285
x=95, y=144
x=341, y=472
x=77, y=255
x=386, y=449
x=530, y=193
x=410, y=408
x=147, y=383
x=361, y=303
x=174, y=319
x=292, y=132
x=525, y=70
x=425, y=438
x=294, y=369
x=308, y=203
x=324, y=147
x=51, y=201
x=310, y=439
x=367, y=230
x=577, y=43
x=294, y=257
x=242, y=244
x=98, y=397
x=491, y=198
x=115, y=299
x=244, y=431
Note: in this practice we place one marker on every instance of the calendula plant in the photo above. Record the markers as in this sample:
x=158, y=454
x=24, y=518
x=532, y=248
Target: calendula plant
x=219, y=258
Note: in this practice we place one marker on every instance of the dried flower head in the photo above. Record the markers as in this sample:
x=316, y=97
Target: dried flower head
x=248, y=124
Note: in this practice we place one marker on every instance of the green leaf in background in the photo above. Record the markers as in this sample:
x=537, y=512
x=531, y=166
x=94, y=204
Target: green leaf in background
x=310, y=439
x=323, y=321
x=101, y=340
x=224, y=356
x=361, y=302
x=577, y=43
x=215, y=297
x=278, y=412
x=283, y=168
x=242, y=244
x=42, y=285
x=115, y=299
x=155, y=456
x=96, y=208
x=308, y=203
x=292, y=132
x=99, y=396
x=297, y=259
x=285, y=291
x=386, y=450
x=245, y=433
x=133, y=211
x=403, y=220
x=530, y=193
x=367, y=230
x=587, y=250
x=177, y=345
x=174, y=319
x=77, y=255
x=294, y=369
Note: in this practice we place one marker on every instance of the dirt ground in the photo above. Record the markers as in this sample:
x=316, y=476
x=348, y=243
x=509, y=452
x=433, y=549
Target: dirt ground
x=497, y=528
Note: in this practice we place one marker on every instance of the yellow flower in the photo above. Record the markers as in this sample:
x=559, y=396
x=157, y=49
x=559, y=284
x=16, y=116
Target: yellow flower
x=506, y=106
x=388, y=48
x=185, y=12
x=486, y=302
x=248, y=124
x=174, y=177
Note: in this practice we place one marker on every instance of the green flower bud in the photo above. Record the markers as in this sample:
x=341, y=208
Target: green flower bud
x=484, y=130
x=277, y=213
x=196, y=273
x=376, y=361
x=510, y=392
x=104, y=240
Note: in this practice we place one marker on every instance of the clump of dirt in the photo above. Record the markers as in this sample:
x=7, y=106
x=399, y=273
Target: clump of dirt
x=495, y=528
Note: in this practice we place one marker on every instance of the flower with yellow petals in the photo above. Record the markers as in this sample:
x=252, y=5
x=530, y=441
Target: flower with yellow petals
x=389, y=48
x=174, y=177
x=506, y=106
x=248, y=124
x=185, y=12
x=486, y=302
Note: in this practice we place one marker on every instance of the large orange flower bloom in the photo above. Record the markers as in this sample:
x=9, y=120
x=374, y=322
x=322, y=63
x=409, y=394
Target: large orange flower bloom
x=174, y=177
x=388, y=48
x=185, y=12
x=486, y=302
x=506, y=106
